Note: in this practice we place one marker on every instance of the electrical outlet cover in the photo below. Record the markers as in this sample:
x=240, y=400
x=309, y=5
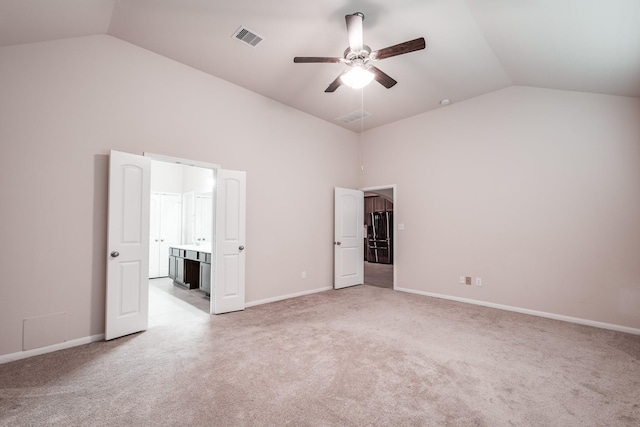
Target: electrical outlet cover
x=468, y=280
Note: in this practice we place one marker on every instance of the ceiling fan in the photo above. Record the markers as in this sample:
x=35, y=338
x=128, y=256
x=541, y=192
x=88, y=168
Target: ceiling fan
x=359, y=57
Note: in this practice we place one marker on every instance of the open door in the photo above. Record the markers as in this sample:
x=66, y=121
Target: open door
x=348, y=238
x=227, y=292
x=127, y=307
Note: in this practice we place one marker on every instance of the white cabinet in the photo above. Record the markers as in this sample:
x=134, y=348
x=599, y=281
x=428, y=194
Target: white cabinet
x=165, y=230
x=203, y=219
x=205, y=272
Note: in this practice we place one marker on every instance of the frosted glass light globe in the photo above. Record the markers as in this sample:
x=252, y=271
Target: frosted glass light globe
x=357, y=77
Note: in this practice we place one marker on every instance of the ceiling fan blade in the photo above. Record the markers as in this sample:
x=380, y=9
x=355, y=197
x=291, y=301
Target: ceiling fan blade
x=399, y=49
x=335, y=84
x=354, y=29
x=382, y=78
x=309, y=59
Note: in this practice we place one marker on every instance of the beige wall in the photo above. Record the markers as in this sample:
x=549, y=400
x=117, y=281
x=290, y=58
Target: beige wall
x=65, y=104
x=535, y=191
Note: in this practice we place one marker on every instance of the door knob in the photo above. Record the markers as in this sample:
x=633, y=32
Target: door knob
x=115, y=254
x=338, y=243
x=241, y=248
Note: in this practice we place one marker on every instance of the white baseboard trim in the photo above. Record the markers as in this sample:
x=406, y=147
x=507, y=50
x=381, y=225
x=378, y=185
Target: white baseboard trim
x=553, y=316
x=93, y=338
x=50, y=348
x=284, y=297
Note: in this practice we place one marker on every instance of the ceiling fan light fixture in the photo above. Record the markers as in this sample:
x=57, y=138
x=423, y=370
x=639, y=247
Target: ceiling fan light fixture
x=357, y=77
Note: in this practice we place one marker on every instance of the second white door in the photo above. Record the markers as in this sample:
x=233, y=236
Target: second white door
x=348, y=238
x=228, y=288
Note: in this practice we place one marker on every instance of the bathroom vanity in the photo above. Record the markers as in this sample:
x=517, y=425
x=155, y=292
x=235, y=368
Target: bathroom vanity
x=190, y=266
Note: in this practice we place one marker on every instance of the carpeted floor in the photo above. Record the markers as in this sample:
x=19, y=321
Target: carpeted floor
x=361, y=356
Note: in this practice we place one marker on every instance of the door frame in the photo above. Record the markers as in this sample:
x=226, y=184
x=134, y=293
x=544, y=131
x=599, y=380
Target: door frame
x=180, y=161
x=394, y=189
x=204, y=165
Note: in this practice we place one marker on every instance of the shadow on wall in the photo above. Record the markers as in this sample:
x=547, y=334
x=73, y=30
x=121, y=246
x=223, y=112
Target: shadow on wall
x=99, y=243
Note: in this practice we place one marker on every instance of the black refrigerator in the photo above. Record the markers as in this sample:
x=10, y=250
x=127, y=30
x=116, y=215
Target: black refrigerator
x=380, y=237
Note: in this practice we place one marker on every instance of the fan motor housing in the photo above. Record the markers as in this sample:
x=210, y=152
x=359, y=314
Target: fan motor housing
x=354, y=56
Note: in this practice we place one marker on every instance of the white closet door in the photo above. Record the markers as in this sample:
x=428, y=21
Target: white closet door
x=207, y=219
x=188, y=218
x=203, y=219
x=171, y=229
x=154, y=235
x=165, y=230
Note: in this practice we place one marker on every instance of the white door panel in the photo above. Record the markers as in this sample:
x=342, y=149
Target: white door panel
x=127, y=245
x=154, y=236
x=203, y=218
x=348, y=238
x=229, y=281
x=165, y=226
x=171, y=226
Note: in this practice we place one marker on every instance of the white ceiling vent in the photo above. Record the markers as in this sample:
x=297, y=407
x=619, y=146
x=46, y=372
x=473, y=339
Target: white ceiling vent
x=246, y=35
x=353, y=116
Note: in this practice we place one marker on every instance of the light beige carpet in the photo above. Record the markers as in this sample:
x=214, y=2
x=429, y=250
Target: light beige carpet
x=362, y=356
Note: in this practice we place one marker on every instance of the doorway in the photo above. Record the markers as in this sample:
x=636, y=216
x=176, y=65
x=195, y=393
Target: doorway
x=181, y=218
x=127, y=296
x=379, y=235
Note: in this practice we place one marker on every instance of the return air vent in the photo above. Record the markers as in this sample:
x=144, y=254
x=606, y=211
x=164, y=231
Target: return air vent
x=247, y=36
x=353, y=116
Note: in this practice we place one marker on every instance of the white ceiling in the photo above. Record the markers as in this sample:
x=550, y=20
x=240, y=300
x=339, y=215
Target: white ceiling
x=473, y=46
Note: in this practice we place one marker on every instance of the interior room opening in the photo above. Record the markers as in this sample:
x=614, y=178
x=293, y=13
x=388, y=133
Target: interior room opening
x=180, y=247
x=379, y=237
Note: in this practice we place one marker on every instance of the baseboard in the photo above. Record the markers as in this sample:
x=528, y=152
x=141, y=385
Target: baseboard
x=553, y=316
x=93, y=338
x=87, y=340
x=50, y=348
x=284, y=297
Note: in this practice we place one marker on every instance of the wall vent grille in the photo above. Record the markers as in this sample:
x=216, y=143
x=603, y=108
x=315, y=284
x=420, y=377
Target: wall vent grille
x=247, y=36
x=353, y=116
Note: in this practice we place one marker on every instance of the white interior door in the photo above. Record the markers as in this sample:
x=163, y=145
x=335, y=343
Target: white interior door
x=127, y=304
x=228, y=282
x=348, y=238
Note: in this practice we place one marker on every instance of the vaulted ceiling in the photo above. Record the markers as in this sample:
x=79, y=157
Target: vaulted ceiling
x=473, y=46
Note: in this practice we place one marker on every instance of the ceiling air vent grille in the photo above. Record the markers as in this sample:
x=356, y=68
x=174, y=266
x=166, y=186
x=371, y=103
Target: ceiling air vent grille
x=353, y=116
x=247, y=36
